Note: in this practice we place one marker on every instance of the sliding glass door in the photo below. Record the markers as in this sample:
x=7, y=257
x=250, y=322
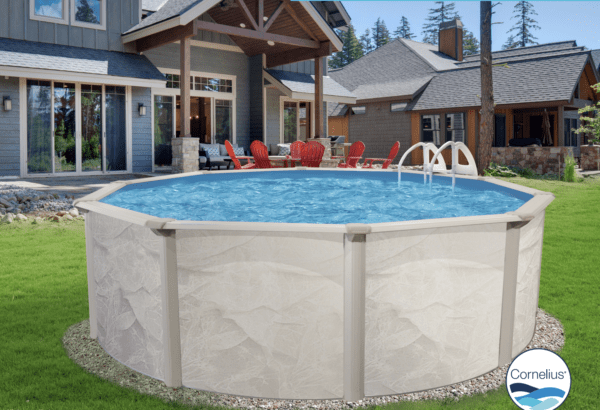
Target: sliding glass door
x=75, y=128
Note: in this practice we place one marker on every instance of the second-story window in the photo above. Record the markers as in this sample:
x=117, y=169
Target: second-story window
x=89, y=13
x=54, y=11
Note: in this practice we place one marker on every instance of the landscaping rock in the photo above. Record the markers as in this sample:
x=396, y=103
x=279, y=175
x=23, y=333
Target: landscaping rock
x=38, y=220
x=7, y=219
x=68, y=217
x=20, y=217
x=61, y=213
x=74, y=212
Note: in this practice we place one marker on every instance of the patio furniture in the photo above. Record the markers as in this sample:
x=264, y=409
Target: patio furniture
x=261, y=155
x=386, y=161
x=312, y=154
x=337, y=144
x=214, y=155
x=354, y=155
x=235, y=158
x=296, y=151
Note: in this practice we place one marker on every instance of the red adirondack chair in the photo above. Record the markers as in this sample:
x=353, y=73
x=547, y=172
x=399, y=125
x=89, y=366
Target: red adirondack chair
x=312, y=154
x=386, y=161
x=235, y=159
x=296, y=150
x=260, y=152
x=354, y=155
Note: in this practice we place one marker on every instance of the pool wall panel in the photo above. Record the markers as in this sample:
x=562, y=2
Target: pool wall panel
x=128, y=296
x=261, y=313
x=528, y=281
x=433, y=306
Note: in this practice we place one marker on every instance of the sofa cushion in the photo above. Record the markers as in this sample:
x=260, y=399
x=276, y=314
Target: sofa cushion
x=239, y=151
x=284, y=149
x=213, y=151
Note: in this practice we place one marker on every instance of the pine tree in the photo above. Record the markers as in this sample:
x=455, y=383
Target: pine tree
x=510, y=43
x=381, y=35
x=350, y=52
x=525, y=24
x=470, y=43
x=403, y=30
x=366, y=43
x=85, y=13
x=431, y=29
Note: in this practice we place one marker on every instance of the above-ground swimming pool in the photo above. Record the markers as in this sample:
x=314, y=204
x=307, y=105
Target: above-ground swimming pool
x=263, y=293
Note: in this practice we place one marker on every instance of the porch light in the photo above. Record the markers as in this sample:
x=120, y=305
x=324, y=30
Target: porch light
x=271, y=42
x=7, y=104
x=142, y=109
x=242, y=25
x=265, y=18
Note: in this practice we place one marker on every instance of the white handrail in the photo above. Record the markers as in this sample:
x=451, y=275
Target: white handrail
x=430, y=166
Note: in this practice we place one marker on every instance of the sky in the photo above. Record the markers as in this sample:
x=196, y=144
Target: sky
x=558, y=20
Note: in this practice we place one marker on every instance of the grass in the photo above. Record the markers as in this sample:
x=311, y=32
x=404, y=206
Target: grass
x=43, y=291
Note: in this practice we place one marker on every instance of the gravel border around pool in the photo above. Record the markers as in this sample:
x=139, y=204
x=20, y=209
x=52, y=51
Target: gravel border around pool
x=88, y=354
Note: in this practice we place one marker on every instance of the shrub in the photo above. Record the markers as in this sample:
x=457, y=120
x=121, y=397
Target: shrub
x=570, y=175
x=497, y=170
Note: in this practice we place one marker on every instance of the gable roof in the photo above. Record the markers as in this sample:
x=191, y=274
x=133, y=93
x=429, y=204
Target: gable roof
x=169, y=10
x=430, y=54
x=540, y=79
x=22, y=55
x=394, y=69
x=152, y=5
x=336, y=109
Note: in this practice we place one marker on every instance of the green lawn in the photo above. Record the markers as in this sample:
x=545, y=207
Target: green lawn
x=43, y=291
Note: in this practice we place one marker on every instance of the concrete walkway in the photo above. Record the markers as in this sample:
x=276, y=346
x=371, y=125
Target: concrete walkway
x=77, y=186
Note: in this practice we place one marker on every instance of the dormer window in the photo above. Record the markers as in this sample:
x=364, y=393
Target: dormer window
x=89, y=14
x=52, y=11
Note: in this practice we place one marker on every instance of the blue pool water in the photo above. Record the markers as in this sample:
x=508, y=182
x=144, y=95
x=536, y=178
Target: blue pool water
x=325, y=197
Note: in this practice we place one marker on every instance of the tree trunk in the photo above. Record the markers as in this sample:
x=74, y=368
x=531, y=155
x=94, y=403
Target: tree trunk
x=486, y=125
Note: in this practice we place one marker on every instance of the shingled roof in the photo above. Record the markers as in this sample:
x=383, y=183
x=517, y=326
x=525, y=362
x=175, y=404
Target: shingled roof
x=596, y=58
x=169, y=10
x=34, y=55
x=539, y=79
x=305, y=83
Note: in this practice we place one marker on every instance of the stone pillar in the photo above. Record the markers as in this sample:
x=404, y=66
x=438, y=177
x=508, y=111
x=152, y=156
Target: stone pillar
x=185, y=154
x=326, y=142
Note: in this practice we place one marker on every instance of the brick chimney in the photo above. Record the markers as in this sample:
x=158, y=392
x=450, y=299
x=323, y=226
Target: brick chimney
x=451, y=39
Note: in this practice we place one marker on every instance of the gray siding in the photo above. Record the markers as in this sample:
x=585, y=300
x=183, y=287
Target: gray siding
x=219, y=62
x=212, y=37
x=9, y=129
x=141, y=130
x=303, y=67
x=273, y=116
x=255, y=83
x=121, y=15
x=379, y=128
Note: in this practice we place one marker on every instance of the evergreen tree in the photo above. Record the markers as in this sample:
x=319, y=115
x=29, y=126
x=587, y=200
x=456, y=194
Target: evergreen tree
x=470, y=43
x=431, y=29
x=510, y=43
x=366, y=43
x=85, y=13
x=381, y=35
x=525, y=24
x=403, y=30
x=350, y=52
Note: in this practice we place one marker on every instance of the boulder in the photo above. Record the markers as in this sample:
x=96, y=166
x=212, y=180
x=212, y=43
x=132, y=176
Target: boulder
x=68, y=217
x=20, y=217
x=7, y=219
x=74, y=212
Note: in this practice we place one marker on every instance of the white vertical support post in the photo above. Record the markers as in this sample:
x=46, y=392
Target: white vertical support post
x=355, y=243
x=170, y=307
x=89, y=253
x=509, y=291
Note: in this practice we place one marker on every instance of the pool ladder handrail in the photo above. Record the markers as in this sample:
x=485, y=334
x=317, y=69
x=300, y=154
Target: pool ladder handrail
x=427, y=146
x=431, y=167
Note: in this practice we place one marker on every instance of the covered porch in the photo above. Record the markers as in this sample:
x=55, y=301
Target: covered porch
x=271, y=33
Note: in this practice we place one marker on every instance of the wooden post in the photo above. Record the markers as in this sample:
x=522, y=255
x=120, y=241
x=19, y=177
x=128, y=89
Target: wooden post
x=560, y=126
x=184, y=84
x=319, y=98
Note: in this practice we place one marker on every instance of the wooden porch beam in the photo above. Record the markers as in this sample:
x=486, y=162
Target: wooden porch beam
x=274, y=16
x=165, y=37
x=292, y=13
x=296, y=55
x=248, y=15
x=319, y=98
x=257, y=35
x=184, y=87
x=561, y=126
x=261, y=14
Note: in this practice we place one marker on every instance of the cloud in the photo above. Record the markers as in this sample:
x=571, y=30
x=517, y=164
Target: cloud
x=52, y=8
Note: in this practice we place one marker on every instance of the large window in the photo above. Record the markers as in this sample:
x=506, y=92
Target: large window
x=64, y=127
x=39, y=126
x=219, y=85
x=223, y=117
x=454, y=128
x=290, y=122
x=570, y=136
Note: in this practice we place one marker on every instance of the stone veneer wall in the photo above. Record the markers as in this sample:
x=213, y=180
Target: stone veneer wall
x=590, y=157
x=542, y=160
x=185, y=154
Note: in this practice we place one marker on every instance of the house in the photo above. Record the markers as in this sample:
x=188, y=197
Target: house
x=118, y=86
x=596, y=58
x=408, y=91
